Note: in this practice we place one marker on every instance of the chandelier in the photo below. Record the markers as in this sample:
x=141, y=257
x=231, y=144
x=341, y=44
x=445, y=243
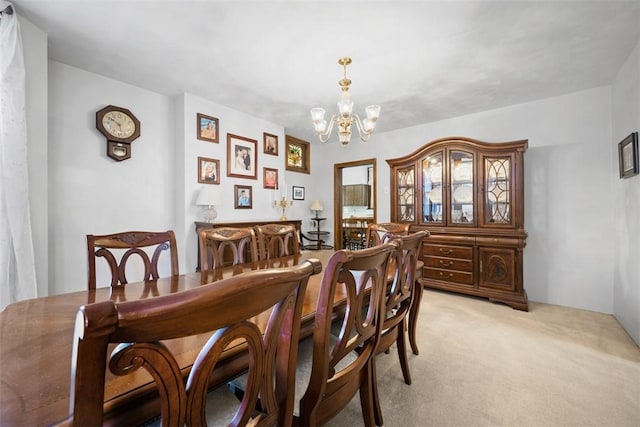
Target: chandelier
x=346, y=117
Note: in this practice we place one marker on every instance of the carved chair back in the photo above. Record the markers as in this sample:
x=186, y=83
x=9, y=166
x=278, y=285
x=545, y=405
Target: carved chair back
x=277, y=240
x=380, y=233
x=235, y=243
x=261, y=308
x=118, y=248
x=337, y=367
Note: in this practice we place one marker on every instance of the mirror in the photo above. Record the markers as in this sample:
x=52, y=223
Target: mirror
x=355, y=202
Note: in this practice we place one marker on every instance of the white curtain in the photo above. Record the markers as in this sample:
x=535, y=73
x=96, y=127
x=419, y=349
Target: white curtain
x=17, y=268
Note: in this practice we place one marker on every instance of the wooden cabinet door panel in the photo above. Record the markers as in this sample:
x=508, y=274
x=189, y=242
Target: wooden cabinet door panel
x=497, y=268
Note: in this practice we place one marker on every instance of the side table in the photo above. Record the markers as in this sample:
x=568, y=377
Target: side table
x=319, y=242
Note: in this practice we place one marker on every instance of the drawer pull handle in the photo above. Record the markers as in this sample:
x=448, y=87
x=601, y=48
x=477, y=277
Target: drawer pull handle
x=449, y=276
x=448, y=264
x=446, y=251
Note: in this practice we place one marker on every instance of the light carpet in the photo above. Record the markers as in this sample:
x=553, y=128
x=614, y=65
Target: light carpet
x=485, y=364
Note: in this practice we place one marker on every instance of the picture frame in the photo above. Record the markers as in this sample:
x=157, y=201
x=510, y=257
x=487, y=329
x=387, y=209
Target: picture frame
x=297, y=155
x=242, y=158
x=270, y=178
x=270, y=144
x=243, y=196
x=628, y=156
x=297, y=193
x=208, y=171
x=207, y=128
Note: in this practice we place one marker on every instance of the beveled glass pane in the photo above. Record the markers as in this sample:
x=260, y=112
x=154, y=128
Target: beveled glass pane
x=461, y=171
x=432, y=188
x=498, y=199
x=406, y=187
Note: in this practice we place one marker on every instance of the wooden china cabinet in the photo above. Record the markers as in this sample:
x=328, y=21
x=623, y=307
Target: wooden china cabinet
x=469, y=195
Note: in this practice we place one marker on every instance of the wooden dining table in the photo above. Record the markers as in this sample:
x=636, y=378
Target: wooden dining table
x=36, y=339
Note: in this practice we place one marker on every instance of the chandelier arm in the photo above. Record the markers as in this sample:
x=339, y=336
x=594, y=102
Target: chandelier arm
x=324, y=136
x=362, y=133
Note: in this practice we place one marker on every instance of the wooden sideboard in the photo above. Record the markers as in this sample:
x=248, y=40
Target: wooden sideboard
x=204, y=225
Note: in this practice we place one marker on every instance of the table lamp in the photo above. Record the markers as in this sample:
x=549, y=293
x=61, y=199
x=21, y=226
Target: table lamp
x=316, y=206
x=210, y=197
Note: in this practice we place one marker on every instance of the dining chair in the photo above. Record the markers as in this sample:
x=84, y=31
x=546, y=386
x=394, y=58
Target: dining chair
x=354, y=233
x=234, y=243
x=118, y=248
x=397, y=305
x=277, y=240
x=379, y=233
x=259, y=310
x=332, y=368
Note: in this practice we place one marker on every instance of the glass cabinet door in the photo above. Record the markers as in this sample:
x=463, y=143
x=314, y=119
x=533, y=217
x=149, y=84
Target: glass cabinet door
x=432, y=174
x=497, y=206
x=461, y=173
x=406, y=191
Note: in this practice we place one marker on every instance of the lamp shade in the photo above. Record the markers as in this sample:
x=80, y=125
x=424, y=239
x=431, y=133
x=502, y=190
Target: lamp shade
x=316, y=205
x=209, y=195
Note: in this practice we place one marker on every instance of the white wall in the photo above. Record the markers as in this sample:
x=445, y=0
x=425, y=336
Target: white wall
x=626, y=200
x=90, y=193
x=569, y=255
x=34, y=44
x=230, y=122
x=156, y=189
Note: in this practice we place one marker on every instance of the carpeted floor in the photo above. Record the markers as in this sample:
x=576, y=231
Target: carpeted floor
x=485, y=364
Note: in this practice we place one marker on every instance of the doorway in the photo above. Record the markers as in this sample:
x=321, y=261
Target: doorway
x=354, y=194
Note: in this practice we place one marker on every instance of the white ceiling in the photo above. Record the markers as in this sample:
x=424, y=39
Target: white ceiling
x=421, y=60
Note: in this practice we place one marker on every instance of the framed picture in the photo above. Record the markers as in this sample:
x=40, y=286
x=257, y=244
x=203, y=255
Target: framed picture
x=207, y=128
x=297, y=193
x=270, y=144
x=297, y=155
x=208, y=171
x=242, y=159
x=270, y=178
x=243, y=195
x=628, y=156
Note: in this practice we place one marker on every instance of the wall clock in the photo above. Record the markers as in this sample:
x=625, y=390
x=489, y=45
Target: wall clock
x=120, y=127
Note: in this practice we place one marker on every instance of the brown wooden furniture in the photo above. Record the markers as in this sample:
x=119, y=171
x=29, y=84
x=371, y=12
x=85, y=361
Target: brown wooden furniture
x=139, y=327
x=469, y=195
x=318, y=243
x=334, y=368
x=123, y=245
x=238, y=224
x=36, y=345
x=277, y=240
x=401, y=295
x=380, y=233
x=354, y=233
x=218, y=244
x=356, y=195
x=36, y=342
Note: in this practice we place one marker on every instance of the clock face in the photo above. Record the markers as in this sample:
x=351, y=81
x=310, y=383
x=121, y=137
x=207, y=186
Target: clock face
x=118, y=124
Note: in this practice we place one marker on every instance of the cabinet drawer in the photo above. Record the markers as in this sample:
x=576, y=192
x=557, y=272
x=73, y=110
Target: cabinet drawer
x=464, y=252
x=449, y=263
x=448, y=275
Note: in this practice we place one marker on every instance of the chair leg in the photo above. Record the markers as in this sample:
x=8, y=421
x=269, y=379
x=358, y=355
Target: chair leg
x=366, y=395
x=402, y=354
x=413, y=317
x=377, y=411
